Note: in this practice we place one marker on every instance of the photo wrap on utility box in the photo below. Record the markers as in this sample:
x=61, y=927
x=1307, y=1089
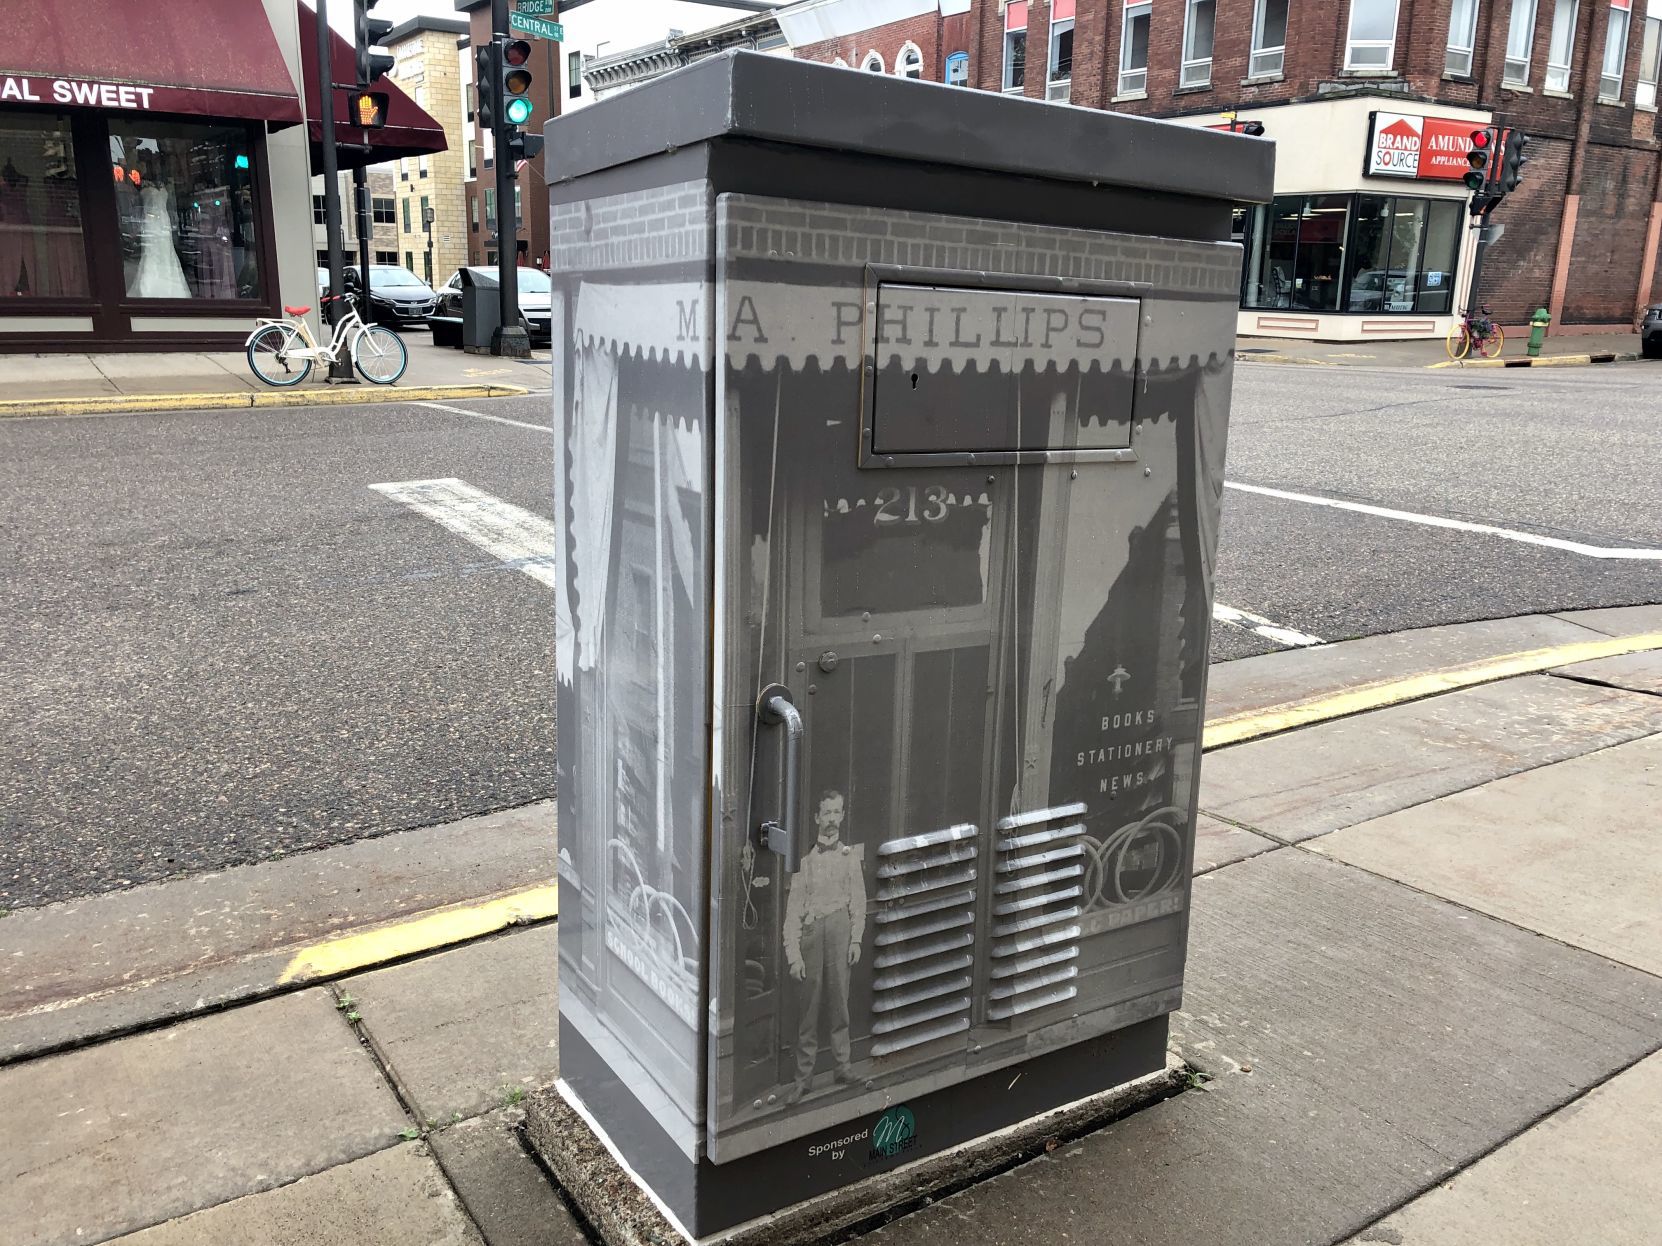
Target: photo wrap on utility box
x=956, y=499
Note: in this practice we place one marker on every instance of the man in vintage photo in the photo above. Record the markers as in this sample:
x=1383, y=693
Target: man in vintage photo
x=825, y=920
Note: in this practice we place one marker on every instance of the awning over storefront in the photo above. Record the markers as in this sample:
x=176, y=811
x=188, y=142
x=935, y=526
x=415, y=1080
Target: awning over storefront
x=216, y=58
x=409, y=130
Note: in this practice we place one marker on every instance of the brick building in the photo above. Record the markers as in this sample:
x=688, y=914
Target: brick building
x=427, y=65
x=1371, y=103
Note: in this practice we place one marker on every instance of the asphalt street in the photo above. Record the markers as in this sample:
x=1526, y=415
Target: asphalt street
x=1570, y=455
x=220, y=644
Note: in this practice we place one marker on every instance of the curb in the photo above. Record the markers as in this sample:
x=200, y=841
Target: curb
x=127, y=404
x=1540, y=361
x=1297, y=359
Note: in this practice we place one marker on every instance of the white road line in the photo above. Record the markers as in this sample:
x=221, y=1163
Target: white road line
x=521, y=539
x=480, y=415
x=1260, y=626
x=1458, y=525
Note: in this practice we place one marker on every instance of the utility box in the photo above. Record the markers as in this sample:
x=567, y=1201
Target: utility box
x=890, y=425
x=481, y=309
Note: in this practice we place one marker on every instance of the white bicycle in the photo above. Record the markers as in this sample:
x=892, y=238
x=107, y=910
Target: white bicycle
x=281, y=352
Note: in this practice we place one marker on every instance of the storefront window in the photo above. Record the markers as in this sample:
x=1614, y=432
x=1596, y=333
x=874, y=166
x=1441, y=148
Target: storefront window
x=1361, y=253
x=42, y=254
x=185, y=205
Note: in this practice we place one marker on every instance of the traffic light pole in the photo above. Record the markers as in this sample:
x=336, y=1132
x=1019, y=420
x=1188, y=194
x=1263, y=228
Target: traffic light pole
x=341, y=369
x=360, y=197
x=510, y=339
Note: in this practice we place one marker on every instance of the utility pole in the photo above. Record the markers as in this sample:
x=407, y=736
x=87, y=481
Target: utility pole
x=341, y=369
x=427, y=215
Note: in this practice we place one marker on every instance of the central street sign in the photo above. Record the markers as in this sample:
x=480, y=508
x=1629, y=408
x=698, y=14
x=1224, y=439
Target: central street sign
x=522, y=25
x=544, y=7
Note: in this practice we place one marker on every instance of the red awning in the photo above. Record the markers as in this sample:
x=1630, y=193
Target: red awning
x=409, y=130
x=214, y=58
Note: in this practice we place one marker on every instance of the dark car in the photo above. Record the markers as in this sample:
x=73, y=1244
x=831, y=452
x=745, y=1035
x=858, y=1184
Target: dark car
x=1650, y=332
x=397, y=297
x=535, y=291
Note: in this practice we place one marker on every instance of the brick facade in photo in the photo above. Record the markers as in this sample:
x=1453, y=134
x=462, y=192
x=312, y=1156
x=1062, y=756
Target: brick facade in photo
x=1581, y=231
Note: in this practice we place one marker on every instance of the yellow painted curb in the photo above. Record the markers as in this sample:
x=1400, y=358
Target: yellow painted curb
x=422, y=934
x=1256, y=724
x=127, y=404
x=1539, y=361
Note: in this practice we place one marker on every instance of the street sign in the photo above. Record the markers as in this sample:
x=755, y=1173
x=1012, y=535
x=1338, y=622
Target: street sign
x=542, y=7
x=522, y=25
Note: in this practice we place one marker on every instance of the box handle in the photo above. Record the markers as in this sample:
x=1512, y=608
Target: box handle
x=774, y=708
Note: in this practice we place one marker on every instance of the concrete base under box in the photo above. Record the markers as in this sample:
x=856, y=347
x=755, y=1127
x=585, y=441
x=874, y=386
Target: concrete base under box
x=623, y=1214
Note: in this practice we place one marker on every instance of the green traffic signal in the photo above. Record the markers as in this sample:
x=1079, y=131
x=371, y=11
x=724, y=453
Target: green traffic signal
x=518, y=111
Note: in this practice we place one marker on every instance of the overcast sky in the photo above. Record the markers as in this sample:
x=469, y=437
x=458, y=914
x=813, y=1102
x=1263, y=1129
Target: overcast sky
x=340, y=11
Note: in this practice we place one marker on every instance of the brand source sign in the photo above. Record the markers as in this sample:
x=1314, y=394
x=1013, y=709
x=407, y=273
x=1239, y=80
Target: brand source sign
x=1424, y=148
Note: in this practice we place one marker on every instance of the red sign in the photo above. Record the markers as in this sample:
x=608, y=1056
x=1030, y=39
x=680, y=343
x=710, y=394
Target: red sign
x=1428, y=149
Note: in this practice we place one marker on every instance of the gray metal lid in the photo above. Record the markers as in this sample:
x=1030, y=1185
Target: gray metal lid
x=753, y=96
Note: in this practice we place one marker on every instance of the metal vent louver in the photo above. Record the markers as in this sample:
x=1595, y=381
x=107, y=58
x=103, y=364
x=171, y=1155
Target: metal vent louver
x=925, y=938
x=1038, y=897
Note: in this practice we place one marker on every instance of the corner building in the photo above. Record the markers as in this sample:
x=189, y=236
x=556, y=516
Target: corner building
x=1371, y=104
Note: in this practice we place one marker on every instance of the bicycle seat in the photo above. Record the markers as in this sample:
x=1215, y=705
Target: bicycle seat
x=296, y=311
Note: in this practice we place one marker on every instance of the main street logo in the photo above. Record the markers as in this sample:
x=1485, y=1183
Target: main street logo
x=895, y=1133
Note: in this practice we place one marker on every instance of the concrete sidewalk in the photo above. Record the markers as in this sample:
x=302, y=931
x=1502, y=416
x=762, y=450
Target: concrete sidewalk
x=1424, y=999
x=74, y=383
x=1560, y=350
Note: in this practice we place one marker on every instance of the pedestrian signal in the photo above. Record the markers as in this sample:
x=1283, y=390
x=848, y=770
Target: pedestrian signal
x=367, y=109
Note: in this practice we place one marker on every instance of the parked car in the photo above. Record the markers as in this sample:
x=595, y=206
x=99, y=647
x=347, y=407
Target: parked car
x=397, y=297
x=535, y=292
x=1650, y=332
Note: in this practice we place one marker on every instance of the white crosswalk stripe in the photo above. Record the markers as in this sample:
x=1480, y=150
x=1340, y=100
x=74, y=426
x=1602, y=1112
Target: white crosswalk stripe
x=520, y=538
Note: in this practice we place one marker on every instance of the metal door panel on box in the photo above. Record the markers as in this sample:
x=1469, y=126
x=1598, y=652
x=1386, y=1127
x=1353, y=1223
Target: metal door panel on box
x=910, y=454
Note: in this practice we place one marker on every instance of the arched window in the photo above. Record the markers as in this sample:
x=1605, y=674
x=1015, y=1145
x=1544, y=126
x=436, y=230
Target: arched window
x=909, y=63
x=873, y=62
x=957, y=69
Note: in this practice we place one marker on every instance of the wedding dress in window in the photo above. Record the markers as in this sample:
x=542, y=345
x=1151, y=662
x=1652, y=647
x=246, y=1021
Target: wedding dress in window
x=159, y=274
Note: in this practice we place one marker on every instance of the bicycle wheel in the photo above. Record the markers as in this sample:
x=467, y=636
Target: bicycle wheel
x=1458, y=342
x=379, y=355
x=1489, y=346
x=271, y=359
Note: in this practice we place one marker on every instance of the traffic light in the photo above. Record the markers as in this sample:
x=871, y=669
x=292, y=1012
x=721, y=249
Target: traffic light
x=367, y=109
x=1481, y=157
x=523, y=146
x=516, y=82
x=370, y=32
x=1254, y=128
x=1514, y=159
x=485, y=80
